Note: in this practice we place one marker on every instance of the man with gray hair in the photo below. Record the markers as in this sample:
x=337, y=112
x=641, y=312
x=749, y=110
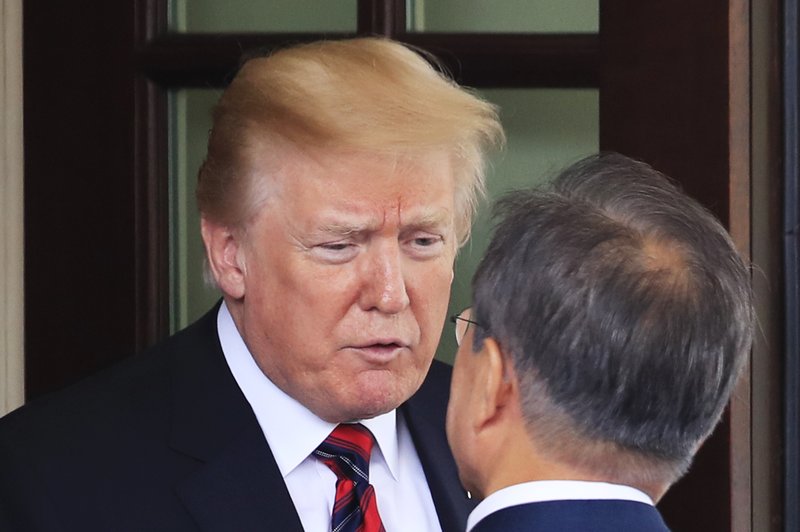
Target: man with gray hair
x=610, y=320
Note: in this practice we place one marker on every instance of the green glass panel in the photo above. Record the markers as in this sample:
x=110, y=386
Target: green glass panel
x=240, y=16
x=503, y=16
x=190, y=124
x=546, y=129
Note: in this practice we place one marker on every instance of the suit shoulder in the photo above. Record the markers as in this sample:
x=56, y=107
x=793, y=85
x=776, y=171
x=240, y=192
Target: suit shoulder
x=135, y=383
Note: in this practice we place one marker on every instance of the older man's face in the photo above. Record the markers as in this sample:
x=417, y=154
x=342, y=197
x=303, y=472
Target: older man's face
x=348, y=269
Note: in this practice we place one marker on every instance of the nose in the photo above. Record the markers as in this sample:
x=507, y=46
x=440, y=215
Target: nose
x=383, y=283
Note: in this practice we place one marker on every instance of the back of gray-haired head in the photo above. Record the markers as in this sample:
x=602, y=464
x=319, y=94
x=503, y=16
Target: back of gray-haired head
x=623, y=304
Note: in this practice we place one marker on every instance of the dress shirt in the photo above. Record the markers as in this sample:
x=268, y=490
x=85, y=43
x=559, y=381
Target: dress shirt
x=553, y=490
x=293, y=432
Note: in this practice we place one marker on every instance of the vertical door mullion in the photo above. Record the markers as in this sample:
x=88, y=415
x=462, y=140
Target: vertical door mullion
x=382, y=17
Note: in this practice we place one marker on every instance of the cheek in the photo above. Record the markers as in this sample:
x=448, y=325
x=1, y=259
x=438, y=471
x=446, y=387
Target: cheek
x=460, y=434
x=311, y=297
x=462, y=385
x=430, y=288
x=455, y=392
x=455, y=424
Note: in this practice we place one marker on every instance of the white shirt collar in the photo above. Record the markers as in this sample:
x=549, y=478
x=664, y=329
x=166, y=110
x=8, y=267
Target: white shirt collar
x=553, y=490
x=291, y=429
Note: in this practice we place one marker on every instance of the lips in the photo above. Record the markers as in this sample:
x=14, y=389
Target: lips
x=379, y=351
x=380, y=342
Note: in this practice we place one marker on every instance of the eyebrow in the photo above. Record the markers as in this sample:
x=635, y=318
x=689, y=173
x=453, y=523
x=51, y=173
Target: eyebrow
x=431, y=219
x=428, y=220
x=345, y=228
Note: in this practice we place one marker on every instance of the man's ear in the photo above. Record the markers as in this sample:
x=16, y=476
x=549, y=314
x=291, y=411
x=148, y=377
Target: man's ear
x=223, y=251
x=497, y=387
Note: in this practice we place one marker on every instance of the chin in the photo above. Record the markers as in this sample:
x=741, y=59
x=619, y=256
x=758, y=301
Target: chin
x=368, y=410
x=383, y=389
x=369, y=395
x=369, y=407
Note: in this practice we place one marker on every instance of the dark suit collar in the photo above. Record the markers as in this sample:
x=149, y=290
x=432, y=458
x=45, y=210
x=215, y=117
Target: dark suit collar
x=207, y=406
x=425, y=413
x=237, y=484
x=574, y=516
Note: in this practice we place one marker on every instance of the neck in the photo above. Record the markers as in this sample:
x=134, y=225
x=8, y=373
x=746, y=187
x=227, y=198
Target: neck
x=520, y=460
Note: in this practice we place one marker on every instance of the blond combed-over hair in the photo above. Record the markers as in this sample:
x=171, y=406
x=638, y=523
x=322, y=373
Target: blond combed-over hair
x=368, y=95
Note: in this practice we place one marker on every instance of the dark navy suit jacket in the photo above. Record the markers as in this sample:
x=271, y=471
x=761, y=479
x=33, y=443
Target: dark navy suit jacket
x=167, y=441
x=575, y=516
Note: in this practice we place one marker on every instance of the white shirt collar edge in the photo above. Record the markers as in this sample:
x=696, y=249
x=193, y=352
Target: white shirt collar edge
x=553, y=490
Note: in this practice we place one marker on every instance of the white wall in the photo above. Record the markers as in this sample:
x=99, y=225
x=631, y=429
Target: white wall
x=11, y=243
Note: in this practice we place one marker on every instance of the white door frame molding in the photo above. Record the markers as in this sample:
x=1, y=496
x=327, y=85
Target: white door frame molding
x=12, y=391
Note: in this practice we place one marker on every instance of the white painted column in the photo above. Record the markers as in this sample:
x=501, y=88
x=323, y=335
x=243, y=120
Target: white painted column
x=11, y=221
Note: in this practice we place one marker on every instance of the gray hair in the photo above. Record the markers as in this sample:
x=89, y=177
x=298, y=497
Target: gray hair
x=626, y=312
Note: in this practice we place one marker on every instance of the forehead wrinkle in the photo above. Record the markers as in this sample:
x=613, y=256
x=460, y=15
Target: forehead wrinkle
x=348, y=222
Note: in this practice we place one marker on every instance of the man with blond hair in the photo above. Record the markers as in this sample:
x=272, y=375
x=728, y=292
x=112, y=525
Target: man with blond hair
x=340, y=180
x=611, y=316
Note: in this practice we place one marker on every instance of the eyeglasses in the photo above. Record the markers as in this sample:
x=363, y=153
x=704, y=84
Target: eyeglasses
x=462, y=322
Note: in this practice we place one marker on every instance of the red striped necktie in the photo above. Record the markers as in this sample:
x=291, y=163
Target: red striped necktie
x=346, y=452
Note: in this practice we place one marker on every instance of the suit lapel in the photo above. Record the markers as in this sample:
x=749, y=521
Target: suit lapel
x=425, y=416
x=237, y=484
x=240, y=489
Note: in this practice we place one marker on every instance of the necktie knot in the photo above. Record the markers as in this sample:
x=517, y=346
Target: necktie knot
x=346, y=452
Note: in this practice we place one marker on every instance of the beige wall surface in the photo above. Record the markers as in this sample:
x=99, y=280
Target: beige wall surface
x=11, y=289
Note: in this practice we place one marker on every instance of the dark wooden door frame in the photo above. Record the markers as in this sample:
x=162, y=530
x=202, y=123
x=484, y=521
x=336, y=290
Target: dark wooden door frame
x=791, y=260
x=667, y=97
x=80, y=238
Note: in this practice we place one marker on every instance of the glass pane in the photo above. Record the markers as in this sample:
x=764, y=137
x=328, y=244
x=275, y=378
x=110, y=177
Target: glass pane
x=504, y=16
x=546, y=129
x=259, y=16
x=190, y=296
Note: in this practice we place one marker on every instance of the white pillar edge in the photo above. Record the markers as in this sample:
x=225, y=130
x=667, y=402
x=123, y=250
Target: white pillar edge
x=12, y=387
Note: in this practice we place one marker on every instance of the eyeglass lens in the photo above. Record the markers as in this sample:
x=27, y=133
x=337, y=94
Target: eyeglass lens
x=462, y=324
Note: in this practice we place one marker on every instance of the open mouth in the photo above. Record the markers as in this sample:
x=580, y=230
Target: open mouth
x=387, y=345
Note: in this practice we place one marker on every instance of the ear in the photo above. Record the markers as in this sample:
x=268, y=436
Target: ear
x=497, y=389
x=223, y=251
